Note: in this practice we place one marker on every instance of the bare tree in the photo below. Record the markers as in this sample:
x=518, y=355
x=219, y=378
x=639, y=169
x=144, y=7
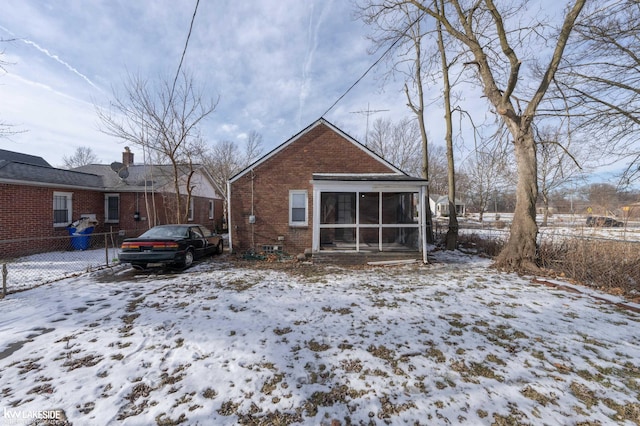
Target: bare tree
x=598, y=82
x=486, y=171
x=557, y=166
x=163, y=121
x=402, y=26
x=399, y=143
x=452, y=232
x=225, y=159
x=438, y=171
x=81, y=157
x=253, y=148
x=481, y=32
x=604, y=198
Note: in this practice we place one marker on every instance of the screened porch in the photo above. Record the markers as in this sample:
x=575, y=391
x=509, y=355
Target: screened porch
x=368, y=213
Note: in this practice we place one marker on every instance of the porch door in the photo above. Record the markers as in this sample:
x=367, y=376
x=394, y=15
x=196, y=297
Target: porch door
x=344, y=215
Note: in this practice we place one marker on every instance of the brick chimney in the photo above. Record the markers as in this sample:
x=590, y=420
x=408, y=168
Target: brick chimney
x=127, y=156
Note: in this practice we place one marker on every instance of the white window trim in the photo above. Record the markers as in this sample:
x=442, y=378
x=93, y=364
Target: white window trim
x=293, y=192
x=212, y=208
x=106, y=208
x=69, y=197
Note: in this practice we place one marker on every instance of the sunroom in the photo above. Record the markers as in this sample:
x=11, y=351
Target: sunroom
x=368, y=212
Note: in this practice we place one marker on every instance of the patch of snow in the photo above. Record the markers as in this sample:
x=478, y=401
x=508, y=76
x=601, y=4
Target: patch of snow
x=228, y=342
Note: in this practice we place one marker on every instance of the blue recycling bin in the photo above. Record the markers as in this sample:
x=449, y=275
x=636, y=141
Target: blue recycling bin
x=80, y=240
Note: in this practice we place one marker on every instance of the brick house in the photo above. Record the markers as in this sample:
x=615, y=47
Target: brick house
x=38, y=200
x=323, y=191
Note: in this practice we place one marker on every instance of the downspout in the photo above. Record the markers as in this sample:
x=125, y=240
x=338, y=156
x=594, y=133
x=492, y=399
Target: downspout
x=253, y=215
x=229, y=226
x=423, y=211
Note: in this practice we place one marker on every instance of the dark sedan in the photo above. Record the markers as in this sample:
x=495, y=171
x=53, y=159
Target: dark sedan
x=603, y=221
x=170, y=245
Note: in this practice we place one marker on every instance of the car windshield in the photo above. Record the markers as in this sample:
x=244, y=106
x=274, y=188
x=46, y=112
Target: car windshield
x=166, y=232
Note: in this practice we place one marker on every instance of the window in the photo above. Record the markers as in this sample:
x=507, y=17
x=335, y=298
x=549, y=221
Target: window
x=211, y=209
x=112, y=208
x=298, y=208
x=62, y=209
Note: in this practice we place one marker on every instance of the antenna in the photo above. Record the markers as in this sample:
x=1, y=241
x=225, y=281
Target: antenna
x=368, y=112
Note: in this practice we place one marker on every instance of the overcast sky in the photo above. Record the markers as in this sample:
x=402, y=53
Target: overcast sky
x=276, y=66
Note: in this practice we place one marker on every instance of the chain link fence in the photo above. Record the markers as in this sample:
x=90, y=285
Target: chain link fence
x=47, y=259
x=606, y=259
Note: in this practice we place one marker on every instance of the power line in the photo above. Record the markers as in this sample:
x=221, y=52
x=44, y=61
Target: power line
x=375, y=63
x=184, y=51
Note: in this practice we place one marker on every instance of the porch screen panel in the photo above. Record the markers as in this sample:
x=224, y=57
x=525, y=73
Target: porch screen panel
x=398, y=207
x=338, y=208
x=369, y=238
x=338, y=237
x=369, y=207
x=401, y=237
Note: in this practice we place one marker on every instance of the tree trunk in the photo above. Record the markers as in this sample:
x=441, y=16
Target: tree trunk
x=545, y=212
x=452, y=232
x=520, y=252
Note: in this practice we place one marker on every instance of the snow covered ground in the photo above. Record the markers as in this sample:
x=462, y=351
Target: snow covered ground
x=236, y=342
x=31, y=271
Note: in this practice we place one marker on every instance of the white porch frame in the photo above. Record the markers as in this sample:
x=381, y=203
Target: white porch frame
x=368, y=186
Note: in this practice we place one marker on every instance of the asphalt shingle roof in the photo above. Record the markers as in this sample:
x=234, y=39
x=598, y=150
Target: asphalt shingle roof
x=25, y=172
x=138, y=175
x=18, y=157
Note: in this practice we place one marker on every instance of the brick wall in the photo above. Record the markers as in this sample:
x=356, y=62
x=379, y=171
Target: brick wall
x=27, y=211
x=320, y=150
x=135, y=202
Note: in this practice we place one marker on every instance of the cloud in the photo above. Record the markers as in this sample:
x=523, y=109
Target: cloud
x=276, y=65
x=60, y=61
x=312, y=42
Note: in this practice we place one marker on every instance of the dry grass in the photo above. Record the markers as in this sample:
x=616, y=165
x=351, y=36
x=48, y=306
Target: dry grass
x=610, y=266
x=607, y=265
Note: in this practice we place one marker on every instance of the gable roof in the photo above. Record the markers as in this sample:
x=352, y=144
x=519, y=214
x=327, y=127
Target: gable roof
x=11, y=156
x=141, y=177
x=442, y=199
x=312, y=126
x=26, y=169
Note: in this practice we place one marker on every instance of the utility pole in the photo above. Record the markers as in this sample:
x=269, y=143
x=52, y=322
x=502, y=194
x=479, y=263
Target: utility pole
x=368, y=112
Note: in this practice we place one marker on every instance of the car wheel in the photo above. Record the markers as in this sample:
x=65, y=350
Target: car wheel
x=188, y=259
x=220, y=248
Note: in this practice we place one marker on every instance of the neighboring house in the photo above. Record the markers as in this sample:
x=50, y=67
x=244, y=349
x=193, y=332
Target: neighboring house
x=138, y=196
x=38, y=200
x=322, y=190
x=439, y=205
